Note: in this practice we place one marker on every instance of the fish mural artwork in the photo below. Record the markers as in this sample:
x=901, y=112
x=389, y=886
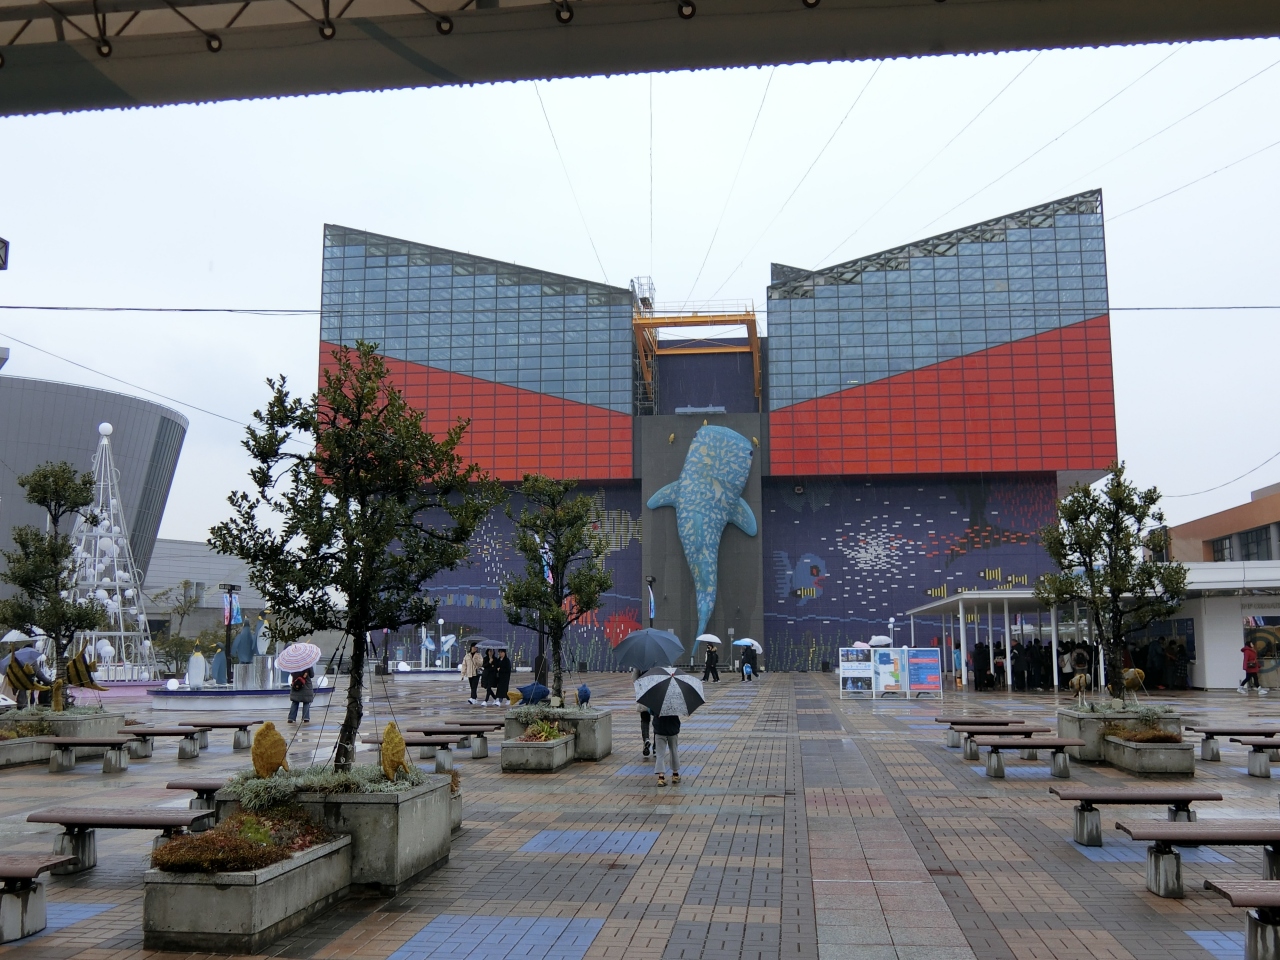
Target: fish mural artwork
x=706, y=497
x=805, y=582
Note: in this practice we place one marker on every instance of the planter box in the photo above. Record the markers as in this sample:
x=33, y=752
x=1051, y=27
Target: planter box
x=593, y=731
x=1150, y=758
x=455, y=813
x=395, y=837
x=242, y=912
x=1089, y=728
x=547, y=757
x=26, y=750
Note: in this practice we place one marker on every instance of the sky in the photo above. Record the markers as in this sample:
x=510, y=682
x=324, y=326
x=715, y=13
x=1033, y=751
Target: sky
x=698, y=179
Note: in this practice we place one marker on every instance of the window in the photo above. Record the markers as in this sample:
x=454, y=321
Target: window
x=1256, y=544
x=1221, y=549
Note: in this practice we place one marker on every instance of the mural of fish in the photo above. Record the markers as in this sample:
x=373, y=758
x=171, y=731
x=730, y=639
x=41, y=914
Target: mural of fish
x=706, y=497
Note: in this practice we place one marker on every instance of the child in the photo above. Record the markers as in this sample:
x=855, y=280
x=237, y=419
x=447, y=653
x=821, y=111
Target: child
x=666, y=731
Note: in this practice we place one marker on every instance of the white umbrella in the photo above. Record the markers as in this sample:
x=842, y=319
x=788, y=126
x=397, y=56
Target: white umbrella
x=707, y=638
x=881, y=642
x=297, y=657
x=748, y=642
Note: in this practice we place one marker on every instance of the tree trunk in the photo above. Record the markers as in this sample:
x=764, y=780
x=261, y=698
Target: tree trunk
x=350, y=730
x=557, y=682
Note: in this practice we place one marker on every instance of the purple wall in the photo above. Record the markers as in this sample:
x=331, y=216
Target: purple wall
x=708, y=380
x=842, y=555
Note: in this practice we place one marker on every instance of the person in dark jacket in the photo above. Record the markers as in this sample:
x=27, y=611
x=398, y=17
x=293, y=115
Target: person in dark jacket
x=502, y=675
x=301, y=692
x=749, y=660
x=666, y=733
x=1156, y=660
x=488, y=676
x=709, y=670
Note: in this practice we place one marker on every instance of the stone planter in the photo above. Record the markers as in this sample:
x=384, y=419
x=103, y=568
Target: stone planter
x=1089, y=727
x=593, y=731
x=1150, y=758
x=455, y=813
x=242, y=912
x=519, y=756
x=396, y=837
x=26, y=750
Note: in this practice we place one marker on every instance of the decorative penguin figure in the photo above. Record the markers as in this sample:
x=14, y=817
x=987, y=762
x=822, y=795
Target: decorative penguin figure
x=584, y=695
x=196, y=669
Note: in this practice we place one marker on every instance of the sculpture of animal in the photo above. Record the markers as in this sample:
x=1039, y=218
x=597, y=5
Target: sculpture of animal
x=1079, y=683
x=80, y=671
x=270, y=751
x=707, y=497
x=1133, y=678
x=392, y=754
x=584, y=695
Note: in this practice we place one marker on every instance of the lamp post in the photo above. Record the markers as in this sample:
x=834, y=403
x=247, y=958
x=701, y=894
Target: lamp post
x=229, y=617
x=440, y=638
x=891, y=636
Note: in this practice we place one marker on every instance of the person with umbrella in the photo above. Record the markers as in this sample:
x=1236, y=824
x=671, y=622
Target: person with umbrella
x=470, y=668
x=667, y=695
x=712, y=659
x=488, y=676
x=299, y=660
x=502, y=675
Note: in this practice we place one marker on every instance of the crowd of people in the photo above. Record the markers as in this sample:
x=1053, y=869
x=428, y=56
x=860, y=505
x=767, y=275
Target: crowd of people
x=1164, y=661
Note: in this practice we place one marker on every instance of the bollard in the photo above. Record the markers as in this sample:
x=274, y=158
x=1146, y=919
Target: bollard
x=1164, y=871
x=115, y=760
x=81, y=844
x=62, y=759
x=995, y=764
x=188, y=748
x=444, y=760
x=1087, y=828
x=1061, y=765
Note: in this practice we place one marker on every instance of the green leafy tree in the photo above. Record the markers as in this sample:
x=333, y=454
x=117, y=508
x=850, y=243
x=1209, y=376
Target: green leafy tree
x=355, y=508
x=172, y=647
x=564, y=565
x=39, y=566
x=1103, y=544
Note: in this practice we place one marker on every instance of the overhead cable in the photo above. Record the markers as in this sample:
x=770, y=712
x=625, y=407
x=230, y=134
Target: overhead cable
x=567, y=179
x=1179, y=496
x=800, y=182
x=1035, y=153
x=729, y=196
x=1192, y=183
x=959, y=133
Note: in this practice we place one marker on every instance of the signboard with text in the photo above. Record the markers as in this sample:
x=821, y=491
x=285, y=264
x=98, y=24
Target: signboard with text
x=855, y=672
x=890, y=671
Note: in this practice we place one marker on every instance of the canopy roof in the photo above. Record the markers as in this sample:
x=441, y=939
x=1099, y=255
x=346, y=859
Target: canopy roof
x=64, y=55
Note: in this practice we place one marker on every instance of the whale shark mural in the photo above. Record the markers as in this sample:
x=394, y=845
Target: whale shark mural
x=706, y=497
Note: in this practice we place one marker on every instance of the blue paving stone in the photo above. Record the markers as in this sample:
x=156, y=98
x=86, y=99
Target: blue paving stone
x=591, y=841
x=62, y=915
x=1119, y=850
x=647, y=769
x=501, y=938
x=1223, y=946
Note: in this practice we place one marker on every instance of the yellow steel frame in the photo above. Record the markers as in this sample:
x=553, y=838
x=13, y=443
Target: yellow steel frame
x=646, y=328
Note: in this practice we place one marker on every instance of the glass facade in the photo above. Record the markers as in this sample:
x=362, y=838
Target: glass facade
x=987, y=348
x=1256, y=544
x=541, y=363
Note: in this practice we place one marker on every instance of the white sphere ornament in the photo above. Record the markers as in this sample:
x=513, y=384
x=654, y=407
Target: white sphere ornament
x=171, y=685
x=128, y=593
x=104, y=429
x=101, y=595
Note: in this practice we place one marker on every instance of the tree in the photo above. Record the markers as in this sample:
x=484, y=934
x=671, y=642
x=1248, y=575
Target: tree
x=173, y=648
x=1103, y=544
x=564, y=565
x=346, y=533
x=40, y=565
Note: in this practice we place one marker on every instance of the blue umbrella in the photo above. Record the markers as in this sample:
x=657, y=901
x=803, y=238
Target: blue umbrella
x=534, y=693
x=648, y=648
x=484, y=643
x=25, y=655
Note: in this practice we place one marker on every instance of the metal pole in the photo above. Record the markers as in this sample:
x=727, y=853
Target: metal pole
x=913, y=630
x=964, y=651
x=1053, y=633
x=1008, y=649
x=991, y=642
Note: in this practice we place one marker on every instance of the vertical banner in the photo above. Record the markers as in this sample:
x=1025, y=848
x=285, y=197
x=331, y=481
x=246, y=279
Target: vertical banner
x=652, y=605
x=924, y=671
x=889, y=673
x=855, y=672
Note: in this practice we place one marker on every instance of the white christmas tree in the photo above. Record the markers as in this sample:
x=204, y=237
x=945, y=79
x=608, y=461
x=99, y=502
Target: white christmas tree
x=104, y=569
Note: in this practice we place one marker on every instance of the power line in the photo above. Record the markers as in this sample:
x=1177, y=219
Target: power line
x=573, y=193
x=729, y=196
x=800, y=183
x=1046, y=146
x=1178, y=496
x=1192, y=183
x=929, y=162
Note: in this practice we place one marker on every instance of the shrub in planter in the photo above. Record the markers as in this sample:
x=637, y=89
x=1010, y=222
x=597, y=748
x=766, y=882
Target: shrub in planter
x=242, y=842
x=254, y=793
x=541, y=731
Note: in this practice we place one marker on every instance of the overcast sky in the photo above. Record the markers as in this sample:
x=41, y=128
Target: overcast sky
x=223, y=205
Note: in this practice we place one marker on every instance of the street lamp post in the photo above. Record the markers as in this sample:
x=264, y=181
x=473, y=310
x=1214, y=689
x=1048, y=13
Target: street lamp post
x=440, y=639
x=229, y=612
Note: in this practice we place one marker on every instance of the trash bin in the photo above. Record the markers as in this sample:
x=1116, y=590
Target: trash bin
x=826, y=666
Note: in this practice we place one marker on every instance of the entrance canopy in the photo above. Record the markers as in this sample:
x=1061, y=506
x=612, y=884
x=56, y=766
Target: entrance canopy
x=65, y=55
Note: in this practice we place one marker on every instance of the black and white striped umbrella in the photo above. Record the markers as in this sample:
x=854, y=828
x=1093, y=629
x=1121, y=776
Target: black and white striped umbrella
x=667, y=693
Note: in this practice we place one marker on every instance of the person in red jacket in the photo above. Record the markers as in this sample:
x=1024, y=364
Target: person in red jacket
x=1251, y=668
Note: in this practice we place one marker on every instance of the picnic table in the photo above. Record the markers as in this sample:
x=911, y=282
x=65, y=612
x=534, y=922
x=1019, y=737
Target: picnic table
x=241, y=725
x=968, y=731
x=63, y=756
x=188, y=746
x=1164, y=864
x=1260, y=754
x=1087, y=829
x=22, y=905
x=1261, y=898
x=429, y=747
x=1211, y=732
x=79, y=824
x=1061, y=763
x=953, y=736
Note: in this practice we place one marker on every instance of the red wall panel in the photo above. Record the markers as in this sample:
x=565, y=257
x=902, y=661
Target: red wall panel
x=514, y=431
x=1041, y=403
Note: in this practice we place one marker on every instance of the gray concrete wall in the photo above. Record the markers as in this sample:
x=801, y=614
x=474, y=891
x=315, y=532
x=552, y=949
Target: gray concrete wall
x=738, y=602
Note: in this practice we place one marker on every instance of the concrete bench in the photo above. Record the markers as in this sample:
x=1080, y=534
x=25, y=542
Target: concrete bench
x=204, y=789
x=476, y=736
x=1260, y=755
x=188, y=746
x=1087, y=830
x=953, y=736
x=241, y=725
x=78, y=838
x=968, y=731
x=22, y=904
x=63, y=757
x=1061, y=763
x=429, y=748
x=1164, y=864
x=1210, y=734
x=1262, y=925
